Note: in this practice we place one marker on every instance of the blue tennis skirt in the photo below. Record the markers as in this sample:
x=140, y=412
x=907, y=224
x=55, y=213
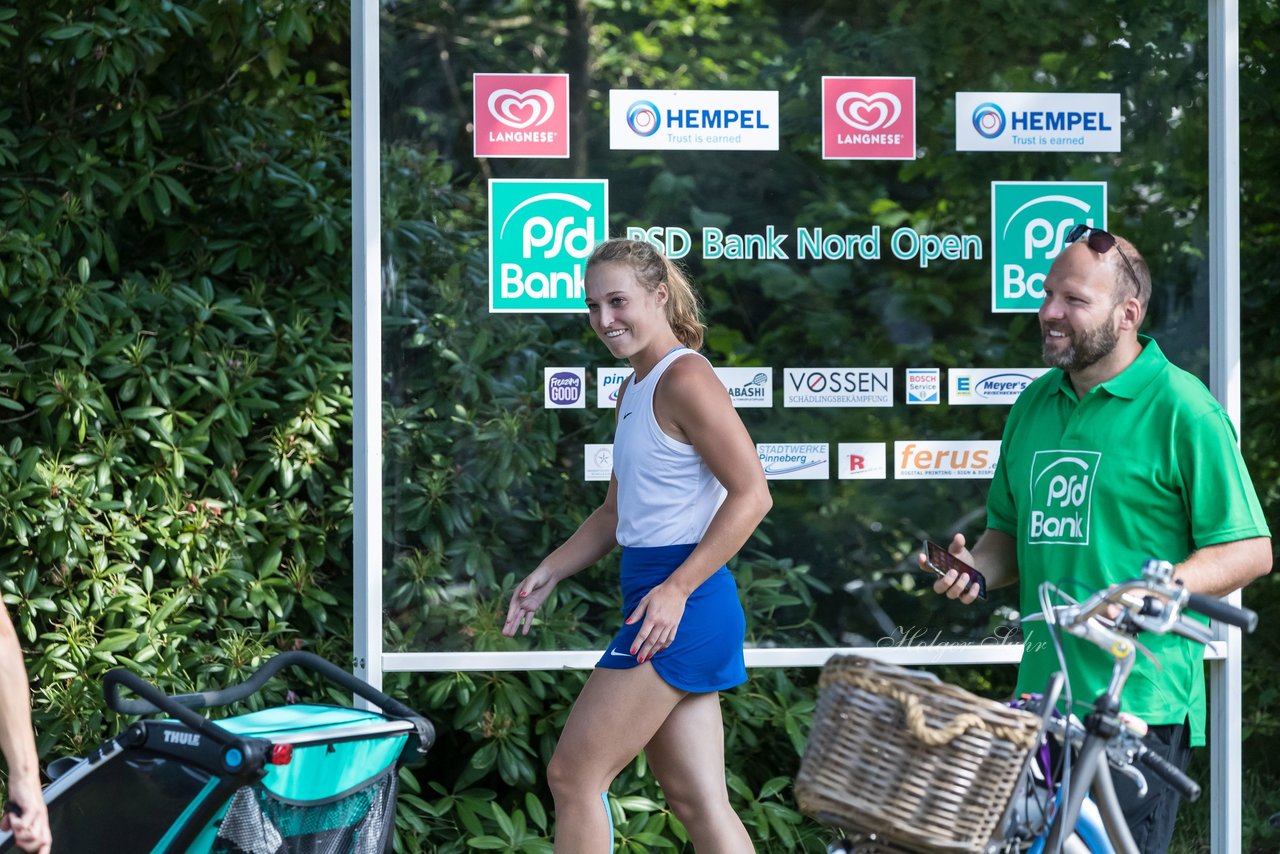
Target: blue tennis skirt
x=707, y=652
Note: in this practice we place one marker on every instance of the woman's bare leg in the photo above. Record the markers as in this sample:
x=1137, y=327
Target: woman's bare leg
x=687, y=757
x=612, y=720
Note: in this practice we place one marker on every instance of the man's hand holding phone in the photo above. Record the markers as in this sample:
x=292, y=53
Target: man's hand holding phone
x=957, y=579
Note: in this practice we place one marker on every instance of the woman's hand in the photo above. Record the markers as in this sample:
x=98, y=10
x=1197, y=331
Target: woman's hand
x=528, y=597
x=661, y=610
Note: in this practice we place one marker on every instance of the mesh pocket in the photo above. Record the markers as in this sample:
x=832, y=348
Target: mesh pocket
x=358, y=822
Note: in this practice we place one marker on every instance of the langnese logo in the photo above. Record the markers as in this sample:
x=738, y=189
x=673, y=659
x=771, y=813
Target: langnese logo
x=564, y=388
x=861, y=461
x=978, y=386
x=693, y=119
x=924, y=385
x=795, y=461
x=921, y=460
x=597, y=462
x=540, y=235
x=1037, y=121
x=608, y=384
x=1029, y=224
x=1062, y=497
x=521, y=115
x=748, y=387
x=810, y=387
x=869, y=118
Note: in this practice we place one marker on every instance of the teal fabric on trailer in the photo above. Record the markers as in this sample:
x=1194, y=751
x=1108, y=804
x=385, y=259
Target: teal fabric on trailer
x=296, y=718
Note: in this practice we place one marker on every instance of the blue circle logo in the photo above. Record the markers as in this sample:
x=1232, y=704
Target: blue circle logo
x=642, y=118
x=988, y=120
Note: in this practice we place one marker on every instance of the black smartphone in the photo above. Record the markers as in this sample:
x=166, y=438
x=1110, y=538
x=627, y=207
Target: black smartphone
x=940, y=561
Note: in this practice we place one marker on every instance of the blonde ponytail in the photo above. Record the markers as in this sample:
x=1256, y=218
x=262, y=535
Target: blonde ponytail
x=651, y=269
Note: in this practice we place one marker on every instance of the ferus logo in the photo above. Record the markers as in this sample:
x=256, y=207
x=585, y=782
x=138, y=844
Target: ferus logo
x=521, y=115
x=540, y=234
x=643, y=119
x=988, y=120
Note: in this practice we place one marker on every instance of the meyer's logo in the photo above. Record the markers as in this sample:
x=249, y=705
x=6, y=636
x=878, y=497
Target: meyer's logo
x=869, y=118
x=1037, y=121
x=693, y=119
x=186, y=739
x=540, y=235
x=521, y=115
x=564, y=388
x=795, y=461
x=608, y=383
x=915, y=460
x=1062, y=497
x=1029, y=223
x=837, y=387
x=597, y=462
x=861, y=461
x=976, y=386
x=924, y=385
x=748, y=387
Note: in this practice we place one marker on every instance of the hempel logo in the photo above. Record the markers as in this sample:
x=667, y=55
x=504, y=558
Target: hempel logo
x=540, y=235
x=521, y=115
x=1062, y=497
x=1037, y=121
x=693, y=119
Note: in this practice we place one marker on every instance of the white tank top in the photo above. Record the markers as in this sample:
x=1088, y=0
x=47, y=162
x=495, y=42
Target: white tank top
x=666, y=493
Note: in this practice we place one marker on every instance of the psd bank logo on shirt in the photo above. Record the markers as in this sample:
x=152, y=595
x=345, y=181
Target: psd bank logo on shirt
x=868, y=118
x=1029, y=224
x=1062, y=497
x=540, y=235
x=521, y=115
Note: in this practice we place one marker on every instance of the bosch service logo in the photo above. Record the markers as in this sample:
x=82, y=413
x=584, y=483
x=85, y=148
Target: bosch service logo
x=988, y=120
x=642, y=118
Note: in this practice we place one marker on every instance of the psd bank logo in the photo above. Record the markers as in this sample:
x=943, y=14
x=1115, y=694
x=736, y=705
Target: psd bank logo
x=1062, y=497
x=868, y=118
x=540, y=235
x=1029, y=223
x=521, y=115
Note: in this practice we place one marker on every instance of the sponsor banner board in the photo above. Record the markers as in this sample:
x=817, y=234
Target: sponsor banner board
x=608, y=382
x=921, y=459
x=861, y=461
x=521, y=115
x=795, y=460
x=1037, y=121
x=748, y=387
x=812, y=387
x=597, y=462
x=868, y=118
x=564, y=388
x=693, y=119
x=978, y=386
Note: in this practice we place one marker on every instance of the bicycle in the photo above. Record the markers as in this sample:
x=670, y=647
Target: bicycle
x=968, y=774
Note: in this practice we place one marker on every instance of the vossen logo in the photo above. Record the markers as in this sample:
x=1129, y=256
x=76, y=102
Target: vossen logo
x=540, y=235
x=794, y=461
x=919, y=460
x=977, y=386
x=1029, y=224
x=1062, y=497
x=564, y=388
x=748, y=387
x=608, y=384
x=868, y=118
x=1037, y=121
x=811, y=387
x=186, y=739
x=521, y=115
x=693, y=119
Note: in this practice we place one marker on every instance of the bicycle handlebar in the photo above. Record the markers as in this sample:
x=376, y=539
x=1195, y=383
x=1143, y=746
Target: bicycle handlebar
x=1223, y=612
x=1170, y=773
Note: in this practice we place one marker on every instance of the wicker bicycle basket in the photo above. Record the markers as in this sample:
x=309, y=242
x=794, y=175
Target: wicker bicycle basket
x=903, y=756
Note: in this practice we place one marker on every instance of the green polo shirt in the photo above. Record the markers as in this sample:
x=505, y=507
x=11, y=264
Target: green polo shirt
x=1147, y=465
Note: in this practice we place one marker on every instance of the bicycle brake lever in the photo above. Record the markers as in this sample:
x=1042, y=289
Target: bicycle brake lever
x=1139, y=780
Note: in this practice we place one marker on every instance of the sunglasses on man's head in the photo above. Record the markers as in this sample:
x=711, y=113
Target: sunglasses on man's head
x=1101, y=242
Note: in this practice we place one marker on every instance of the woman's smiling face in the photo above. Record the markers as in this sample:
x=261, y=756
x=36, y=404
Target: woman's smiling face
x=625, y=315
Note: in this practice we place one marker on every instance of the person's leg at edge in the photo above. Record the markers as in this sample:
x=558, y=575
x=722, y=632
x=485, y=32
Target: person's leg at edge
x=687, y=757
x=613, y=718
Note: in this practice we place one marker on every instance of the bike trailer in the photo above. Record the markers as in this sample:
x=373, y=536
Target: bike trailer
x=298, y=779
